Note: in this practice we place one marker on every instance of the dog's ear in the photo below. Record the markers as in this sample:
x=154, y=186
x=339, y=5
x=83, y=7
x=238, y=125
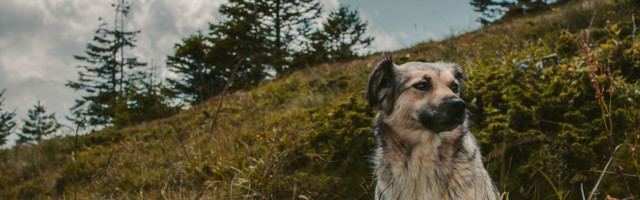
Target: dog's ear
x=379, y=92
x=457, y=72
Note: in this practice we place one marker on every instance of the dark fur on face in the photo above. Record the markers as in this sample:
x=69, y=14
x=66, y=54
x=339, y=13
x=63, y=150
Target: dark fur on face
x=425, y=149
x=445, y=117
x=437, y=88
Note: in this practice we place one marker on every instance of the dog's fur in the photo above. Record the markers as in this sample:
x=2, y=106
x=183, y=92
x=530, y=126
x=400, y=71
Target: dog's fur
x=425, y=149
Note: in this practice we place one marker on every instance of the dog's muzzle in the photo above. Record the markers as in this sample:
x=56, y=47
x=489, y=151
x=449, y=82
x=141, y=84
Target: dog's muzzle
x=445, y=117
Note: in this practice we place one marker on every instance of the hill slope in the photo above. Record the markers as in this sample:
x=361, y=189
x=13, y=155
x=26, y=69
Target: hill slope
x=308, y=135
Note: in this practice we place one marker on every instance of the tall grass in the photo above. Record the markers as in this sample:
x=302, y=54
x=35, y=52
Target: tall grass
x=307, y=135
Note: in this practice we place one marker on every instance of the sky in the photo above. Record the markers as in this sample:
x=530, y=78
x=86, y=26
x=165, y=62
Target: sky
x=38, y=38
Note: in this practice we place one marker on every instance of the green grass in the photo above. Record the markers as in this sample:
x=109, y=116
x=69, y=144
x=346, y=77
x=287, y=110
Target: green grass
x=308, y=134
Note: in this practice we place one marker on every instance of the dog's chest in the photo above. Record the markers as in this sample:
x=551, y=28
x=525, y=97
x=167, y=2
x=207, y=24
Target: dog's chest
x=427, y=170
x=423, y=172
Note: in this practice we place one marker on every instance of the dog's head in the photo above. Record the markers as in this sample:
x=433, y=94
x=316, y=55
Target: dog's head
x=418, y=95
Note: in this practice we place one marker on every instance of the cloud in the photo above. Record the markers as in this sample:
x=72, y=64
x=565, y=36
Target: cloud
x=330, y=5
x=39, y=38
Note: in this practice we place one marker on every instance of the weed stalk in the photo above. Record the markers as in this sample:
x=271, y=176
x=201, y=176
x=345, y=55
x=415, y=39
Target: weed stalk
x=224, y=92
x=598, y=70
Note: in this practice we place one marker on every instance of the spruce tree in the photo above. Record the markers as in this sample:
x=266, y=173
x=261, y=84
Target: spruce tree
x=286, y=22
x=258, y=36
x=38, y=125
x=200, y=79
x=342, y=36
x=241, y=41
x=106, y=72
x=205, y=63
x=492, y=10
x=147, y=99
x=6, y=121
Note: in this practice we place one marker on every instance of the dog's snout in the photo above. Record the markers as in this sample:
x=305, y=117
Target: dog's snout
x=457, y=105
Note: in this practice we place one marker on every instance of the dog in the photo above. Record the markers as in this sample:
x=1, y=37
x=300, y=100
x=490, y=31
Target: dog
x=424, y=147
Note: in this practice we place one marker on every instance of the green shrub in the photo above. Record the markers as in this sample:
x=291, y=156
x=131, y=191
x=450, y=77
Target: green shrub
x=338, y=148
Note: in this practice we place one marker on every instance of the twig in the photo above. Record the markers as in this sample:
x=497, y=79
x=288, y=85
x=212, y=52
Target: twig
x=75, y=163
x=608, y=172
x=109, y=160
x=593, y=191
x=224, y=92
x=590, y=24
x=633, y=33
x=582, y=191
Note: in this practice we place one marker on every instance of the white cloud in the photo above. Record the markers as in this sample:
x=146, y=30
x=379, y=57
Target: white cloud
x=39, y=38
x=385, y=42
x=330, y=5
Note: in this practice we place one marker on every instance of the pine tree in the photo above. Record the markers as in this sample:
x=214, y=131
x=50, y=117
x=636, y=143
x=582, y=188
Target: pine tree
x=200, y=79
x=241, y=41
x=38, y=125
x=312, y=48
x=146, y=100
x=206, y=63
x=105, y=76
x=258, y=36
x=286, y=21
x=342, y=35
x=492, y=10
x=6, y=121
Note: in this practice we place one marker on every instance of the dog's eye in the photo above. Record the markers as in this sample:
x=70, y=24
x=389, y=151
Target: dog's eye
x=422, y=86
x=455, y=88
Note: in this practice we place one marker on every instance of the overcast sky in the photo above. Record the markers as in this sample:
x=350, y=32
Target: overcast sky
x=38, y=38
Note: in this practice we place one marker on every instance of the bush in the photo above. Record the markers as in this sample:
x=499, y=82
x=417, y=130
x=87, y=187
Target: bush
x=338, y=148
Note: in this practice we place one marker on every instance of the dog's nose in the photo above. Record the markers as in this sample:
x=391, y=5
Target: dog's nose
x=457, y=105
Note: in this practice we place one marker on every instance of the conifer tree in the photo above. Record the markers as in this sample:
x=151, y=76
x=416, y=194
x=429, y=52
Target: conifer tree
x=342, y=36
x=205, y=63
x=242, y=41
x=38, y=125
x=492, y=10
x=258, y=36
x=105, y=75
x=6, y=121
x=147, y=100
x=285, y=22
x=312, y=50
x=200, y=79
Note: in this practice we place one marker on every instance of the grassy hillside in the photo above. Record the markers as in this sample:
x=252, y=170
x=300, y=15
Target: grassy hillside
x=308, y=135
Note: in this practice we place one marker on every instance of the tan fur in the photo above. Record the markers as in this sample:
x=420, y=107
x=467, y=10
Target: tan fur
x=412, y=161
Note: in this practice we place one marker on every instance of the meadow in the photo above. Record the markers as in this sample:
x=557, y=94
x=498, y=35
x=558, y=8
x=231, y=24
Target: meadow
x=548, y=130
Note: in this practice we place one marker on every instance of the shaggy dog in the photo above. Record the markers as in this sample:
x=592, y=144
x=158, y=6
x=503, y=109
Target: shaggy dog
x=424, y=147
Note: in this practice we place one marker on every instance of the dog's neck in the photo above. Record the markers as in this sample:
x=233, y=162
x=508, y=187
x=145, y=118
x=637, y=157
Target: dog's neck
x=405, y=135
x=403, y=143
x=411, y=155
